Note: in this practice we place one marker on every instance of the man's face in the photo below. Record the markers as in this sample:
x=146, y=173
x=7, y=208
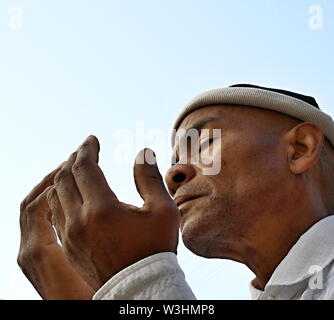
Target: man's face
x=233, y=206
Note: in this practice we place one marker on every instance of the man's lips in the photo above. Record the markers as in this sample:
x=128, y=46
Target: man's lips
x=184, y=198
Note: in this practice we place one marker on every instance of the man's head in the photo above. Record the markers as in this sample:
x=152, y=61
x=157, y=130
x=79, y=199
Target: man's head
x=273, y=181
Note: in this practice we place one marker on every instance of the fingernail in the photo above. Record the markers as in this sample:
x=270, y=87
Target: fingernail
x=150, y=157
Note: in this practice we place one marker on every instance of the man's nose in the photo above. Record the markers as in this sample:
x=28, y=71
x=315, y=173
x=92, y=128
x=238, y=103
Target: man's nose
x=178, y=175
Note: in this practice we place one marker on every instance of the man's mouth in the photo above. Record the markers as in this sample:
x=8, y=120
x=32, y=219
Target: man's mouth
x=179, y=200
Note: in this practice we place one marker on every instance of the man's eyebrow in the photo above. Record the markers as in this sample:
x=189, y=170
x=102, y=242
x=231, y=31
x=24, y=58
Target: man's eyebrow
x=198, y=125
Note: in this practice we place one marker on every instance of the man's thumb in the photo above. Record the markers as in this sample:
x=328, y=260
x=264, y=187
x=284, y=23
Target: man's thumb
x=148, y=179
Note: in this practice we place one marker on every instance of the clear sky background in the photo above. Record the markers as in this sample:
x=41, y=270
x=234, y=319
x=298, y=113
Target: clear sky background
x=72, y=68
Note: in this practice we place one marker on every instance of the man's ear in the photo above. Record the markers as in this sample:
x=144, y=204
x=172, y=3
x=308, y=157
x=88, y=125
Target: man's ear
x=305, y=143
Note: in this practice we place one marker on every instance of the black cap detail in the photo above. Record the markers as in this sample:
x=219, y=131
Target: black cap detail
x=307, y=99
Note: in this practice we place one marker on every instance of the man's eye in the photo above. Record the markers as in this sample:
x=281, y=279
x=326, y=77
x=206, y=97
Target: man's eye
x=205, y=144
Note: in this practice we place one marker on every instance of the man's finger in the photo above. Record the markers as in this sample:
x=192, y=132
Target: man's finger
x=66, y=187
x=47, y=181
x=37, y=222
x=57, y=214
x=148, y=179
x=89, y=177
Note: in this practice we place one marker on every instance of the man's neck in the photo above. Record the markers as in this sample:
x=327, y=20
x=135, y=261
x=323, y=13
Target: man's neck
x=271, y=251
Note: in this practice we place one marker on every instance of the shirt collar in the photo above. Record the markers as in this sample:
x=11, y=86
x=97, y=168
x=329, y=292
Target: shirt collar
x=314, y=250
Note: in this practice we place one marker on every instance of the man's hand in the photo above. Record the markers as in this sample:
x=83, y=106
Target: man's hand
x=101, y=235
x=40, y=257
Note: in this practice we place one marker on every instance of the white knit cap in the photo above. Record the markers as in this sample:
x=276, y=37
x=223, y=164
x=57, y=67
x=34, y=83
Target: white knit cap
x=286, y=102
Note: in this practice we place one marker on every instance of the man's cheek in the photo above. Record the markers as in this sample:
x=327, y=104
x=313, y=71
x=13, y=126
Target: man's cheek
x=211, y=159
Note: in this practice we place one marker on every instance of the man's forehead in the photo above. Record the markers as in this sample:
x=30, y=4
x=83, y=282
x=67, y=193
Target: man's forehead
x=232, y=114
x=200, y=117
x=227, y=116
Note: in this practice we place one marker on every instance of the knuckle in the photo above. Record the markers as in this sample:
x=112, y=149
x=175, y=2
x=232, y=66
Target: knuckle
x=91, y=218
x=74, y=154
x=50, y=195
x=153, y=175
x=19, y=258
x=97, y=211
x=80, y=165
x=88, y=209
x=23, y=205
x=30, y=208
x=21, y=261
x=29, y=254
x=150, y=204
x=74, y=230
x=61, y=175
x=35, y=253
x=72, y=234
x=100, y=208
x=23, y=256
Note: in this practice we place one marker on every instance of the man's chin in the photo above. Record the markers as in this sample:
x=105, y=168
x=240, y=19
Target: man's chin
x=194, y=241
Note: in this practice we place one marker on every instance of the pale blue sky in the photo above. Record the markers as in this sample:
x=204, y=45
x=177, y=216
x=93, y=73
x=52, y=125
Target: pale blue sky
x=93, y=67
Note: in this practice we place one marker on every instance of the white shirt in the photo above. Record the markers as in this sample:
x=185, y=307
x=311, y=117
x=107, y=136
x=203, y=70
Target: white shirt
x=306, y=273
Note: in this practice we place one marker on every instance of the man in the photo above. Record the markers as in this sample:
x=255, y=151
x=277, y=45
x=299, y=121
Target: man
x=269, y=206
